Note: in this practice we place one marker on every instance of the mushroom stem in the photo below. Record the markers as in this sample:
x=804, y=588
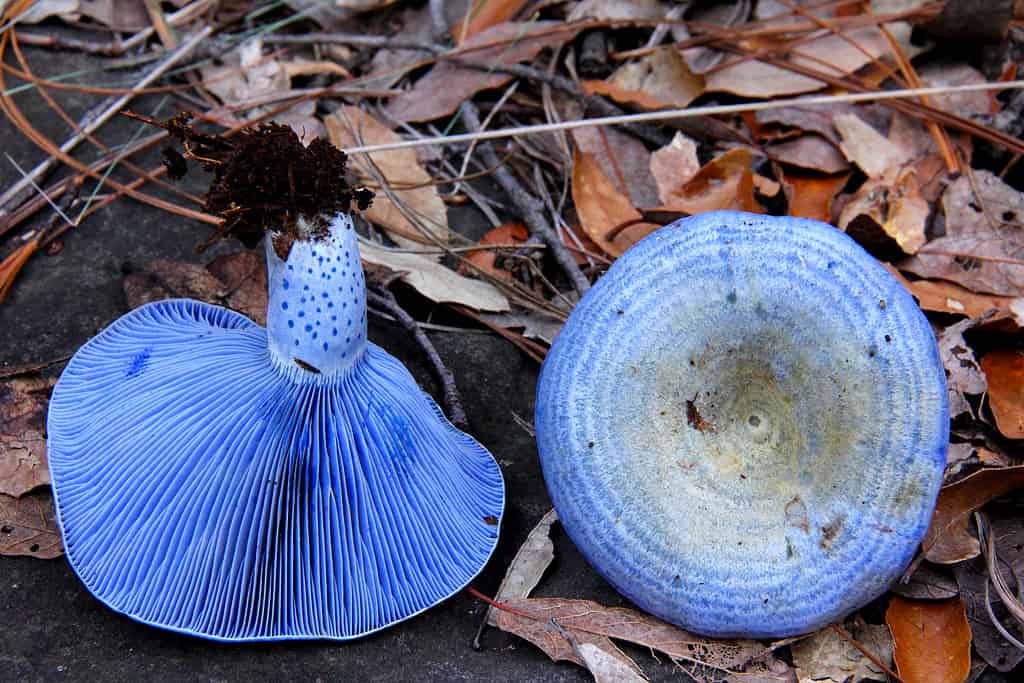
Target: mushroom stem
x=316, y=310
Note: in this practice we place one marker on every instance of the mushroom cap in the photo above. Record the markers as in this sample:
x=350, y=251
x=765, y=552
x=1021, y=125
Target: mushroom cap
x=743, y=425
x=206, y=484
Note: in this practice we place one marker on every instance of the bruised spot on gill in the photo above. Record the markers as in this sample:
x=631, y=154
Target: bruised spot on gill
x=138, y=363
x=395, y=432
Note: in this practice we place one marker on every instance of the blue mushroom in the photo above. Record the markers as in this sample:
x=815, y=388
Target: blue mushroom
x=743, y=425
x=232, y=482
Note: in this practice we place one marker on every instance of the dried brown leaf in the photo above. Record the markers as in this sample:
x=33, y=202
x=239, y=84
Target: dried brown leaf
x=812, y=194
x=601, y=207
x=627, y=158
x=28, y=525
x=588, y=621
x=827, y=657
x=447, y=85
x=887, y=216
x=636, y=98
x=946, y=73
x=831, y=54
x=508, y=233
x=617, y=9
x=811, y=152
x=949, y=539
x=946, y=297
x=482, y=15
x=725, y=182
x=796, y=119
x=933, y=640
x=434, y=281
x=528, y=566
x=985, y=226
x=411, y=184
x=659, y=80
x=244, y=276
x=927, y=583
x=866, y=147
x=673, y=166
x=23, y=464
x=164, y=279
x=533, y=325
x=608, y=665
x=963, y=374
x=238, y=281
x=1004, y=369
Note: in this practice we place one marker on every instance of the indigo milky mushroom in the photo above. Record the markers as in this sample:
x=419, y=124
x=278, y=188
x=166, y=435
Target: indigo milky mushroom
x=743, y=425
x=236, y=482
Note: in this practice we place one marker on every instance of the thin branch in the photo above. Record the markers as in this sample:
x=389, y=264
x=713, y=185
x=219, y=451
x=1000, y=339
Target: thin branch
x=111, y=110
x=531, y=208
x=384, y=299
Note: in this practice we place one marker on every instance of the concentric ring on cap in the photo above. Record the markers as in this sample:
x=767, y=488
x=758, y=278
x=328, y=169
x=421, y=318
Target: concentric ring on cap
x=743, y=425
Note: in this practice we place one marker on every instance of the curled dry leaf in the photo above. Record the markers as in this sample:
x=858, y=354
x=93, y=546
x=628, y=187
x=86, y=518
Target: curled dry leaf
x=434, y=281
x=23, y=464
x=482, y=15
x=989, y=225
x=617, y=9
x=866, y=147
x=657, y=81
x=927, y=583
x=44, y=9
x=832, y=54
x=946, y=73
x=28, y=525
x=725, y=182
x=608, y=666
x=410, y=186
x=963, y=374
x=533, y=325
x=812, y=194
x=811, y=152
x=238, y=281
x=702, y=59
x=508, y=233
x=244, y=276
x=590, y=622
x=1004, y=370
x=247, y=74
x=164, y=279
x=794, y=120
x=602, y=208
x=827, y=657
x=946, y=297
x=447, y=85
x=627, y=159
x=888, y=215
x=949, y=538
x=528, y=566
x=933, y=640
x=674, y=165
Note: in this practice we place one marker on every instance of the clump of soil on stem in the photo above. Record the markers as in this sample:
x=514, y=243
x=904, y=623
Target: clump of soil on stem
x=265, y=179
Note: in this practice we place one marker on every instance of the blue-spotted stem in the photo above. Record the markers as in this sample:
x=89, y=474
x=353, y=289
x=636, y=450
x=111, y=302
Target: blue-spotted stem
x=316, y=311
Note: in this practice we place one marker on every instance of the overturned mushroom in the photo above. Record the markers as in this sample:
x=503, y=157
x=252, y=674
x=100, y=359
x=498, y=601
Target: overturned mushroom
x=239, y=483
x=743, y=425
